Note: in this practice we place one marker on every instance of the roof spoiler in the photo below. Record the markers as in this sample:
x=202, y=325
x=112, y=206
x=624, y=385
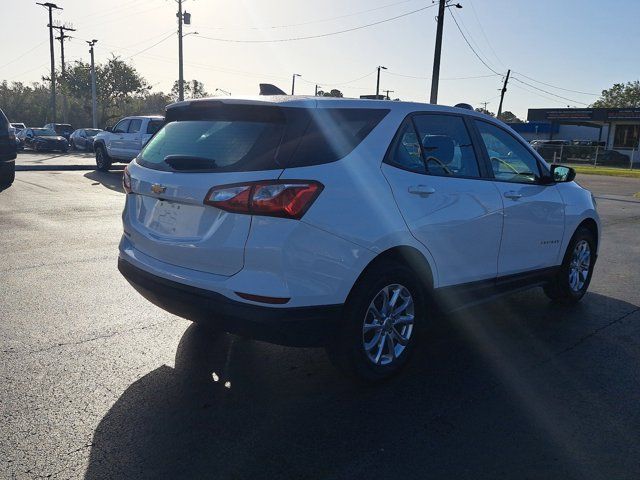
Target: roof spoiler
x=268, y=89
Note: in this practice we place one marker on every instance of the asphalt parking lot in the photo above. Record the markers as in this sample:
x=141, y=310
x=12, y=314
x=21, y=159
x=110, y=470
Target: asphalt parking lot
x=98, y=383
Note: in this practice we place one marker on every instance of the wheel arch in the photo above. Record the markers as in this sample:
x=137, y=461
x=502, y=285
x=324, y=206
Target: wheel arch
x=591, y=225
x=405, y=255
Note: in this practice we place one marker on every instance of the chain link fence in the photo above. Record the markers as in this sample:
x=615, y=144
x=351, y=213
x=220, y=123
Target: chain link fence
x=589, y=155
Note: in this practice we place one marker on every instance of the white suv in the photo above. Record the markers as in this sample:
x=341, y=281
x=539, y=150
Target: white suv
x=346, y=223
x=125, y=140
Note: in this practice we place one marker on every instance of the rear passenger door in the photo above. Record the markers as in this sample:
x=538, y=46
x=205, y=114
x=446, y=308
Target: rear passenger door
x=533, y=210
x=437, y=181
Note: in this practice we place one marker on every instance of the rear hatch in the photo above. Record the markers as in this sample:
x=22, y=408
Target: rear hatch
x=204, y=145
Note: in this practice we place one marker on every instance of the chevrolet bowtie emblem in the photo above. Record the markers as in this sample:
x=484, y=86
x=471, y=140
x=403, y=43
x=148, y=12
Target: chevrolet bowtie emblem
x=157, y=188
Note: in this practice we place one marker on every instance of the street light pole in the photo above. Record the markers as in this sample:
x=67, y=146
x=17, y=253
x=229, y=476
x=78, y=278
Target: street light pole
x=293, y=83
x=50, y=7
x=94, y=112
x=378, y=81
x=317, y=88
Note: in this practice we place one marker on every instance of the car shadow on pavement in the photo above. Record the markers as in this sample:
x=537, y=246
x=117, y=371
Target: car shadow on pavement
x=520, y=388
x=111, y=179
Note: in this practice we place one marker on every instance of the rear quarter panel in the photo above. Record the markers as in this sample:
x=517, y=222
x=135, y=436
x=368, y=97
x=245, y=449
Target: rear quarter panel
x=357, y=203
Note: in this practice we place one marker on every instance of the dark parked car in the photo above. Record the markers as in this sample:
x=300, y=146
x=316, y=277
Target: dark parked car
x=18, y=126
x=42, y=139
x=7, y=152
x=611, y=158
x=82, y=139
x=63, y=129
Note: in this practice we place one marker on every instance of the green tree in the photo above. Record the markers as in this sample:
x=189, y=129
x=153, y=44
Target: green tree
x=621, y=95
x=509, y=117
x=117, y=85
x=192, y=89
x=485, y=111
x=333, y=93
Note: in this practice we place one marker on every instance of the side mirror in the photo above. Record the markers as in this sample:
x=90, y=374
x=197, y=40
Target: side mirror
x=562, y=173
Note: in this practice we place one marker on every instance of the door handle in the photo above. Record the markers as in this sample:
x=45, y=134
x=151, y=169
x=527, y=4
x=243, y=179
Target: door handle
x=421, y=190
x=513, y=195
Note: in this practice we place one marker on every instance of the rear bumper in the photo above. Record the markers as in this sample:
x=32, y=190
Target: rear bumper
x=299, y=326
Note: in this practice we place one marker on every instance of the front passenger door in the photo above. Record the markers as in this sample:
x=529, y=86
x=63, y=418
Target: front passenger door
x=533, y=211
x=133, y=138
x=116, y=141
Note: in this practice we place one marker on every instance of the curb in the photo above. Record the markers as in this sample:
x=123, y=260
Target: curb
x=53, y=168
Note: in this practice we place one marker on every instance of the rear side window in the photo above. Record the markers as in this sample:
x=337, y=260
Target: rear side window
x=153, y=126
x=446, y=146
x=333, y=133
x=134, y=126
x=216, y=136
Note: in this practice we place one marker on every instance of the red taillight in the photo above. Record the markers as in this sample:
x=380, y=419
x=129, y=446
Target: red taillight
x=276, y=198
x=126, y=180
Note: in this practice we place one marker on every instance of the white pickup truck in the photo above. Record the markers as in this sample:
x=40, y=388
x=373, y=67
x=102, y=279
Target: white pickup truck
x=123, y=142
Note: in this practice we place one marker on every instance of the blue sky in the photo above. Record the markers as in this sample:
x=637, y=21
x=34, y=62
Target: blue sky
x=581, y=45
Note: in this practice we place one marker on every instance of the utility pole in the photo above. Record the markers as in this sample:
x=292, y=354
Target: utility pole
x=293, y=82
x=50, y=7
x=504, y=90
x=186, y=19
x=485, y=105
x=317, y=88
x=435, y=77
x=63, y=36
x=387, y=92
x=94, y=109
x=378, y=81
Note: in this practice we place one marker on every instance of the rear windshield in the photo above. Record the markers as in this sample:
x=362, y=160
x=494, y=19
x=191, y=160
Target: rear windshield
x=64, y=128
x=248, y=137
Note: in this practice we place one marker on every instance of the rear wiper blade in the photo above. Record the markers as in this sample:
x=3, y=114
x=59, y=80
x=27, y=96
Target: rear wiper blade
x=187, y=162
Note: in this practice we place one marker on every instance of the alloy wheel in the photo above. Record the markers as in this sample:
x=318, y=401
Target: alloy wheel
x=388, y=324
x=579, y=266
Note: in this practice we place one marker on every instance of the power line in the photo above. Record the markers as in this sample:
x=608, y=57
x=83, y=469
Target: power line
x=164, y=39
x=322, y=35
x=448, y=78
x=341, y=83
x=554, y=86
x=475, y=14
x=470, y=46
x=22, y=55
x=473, y=40
x=548, y=92
x=323, y=20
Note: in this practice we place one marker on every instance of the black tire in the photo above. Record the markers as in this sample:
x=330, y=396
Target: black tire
x=103, y=162
x=7, y=180
x=561, y=289
x=347, y=351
